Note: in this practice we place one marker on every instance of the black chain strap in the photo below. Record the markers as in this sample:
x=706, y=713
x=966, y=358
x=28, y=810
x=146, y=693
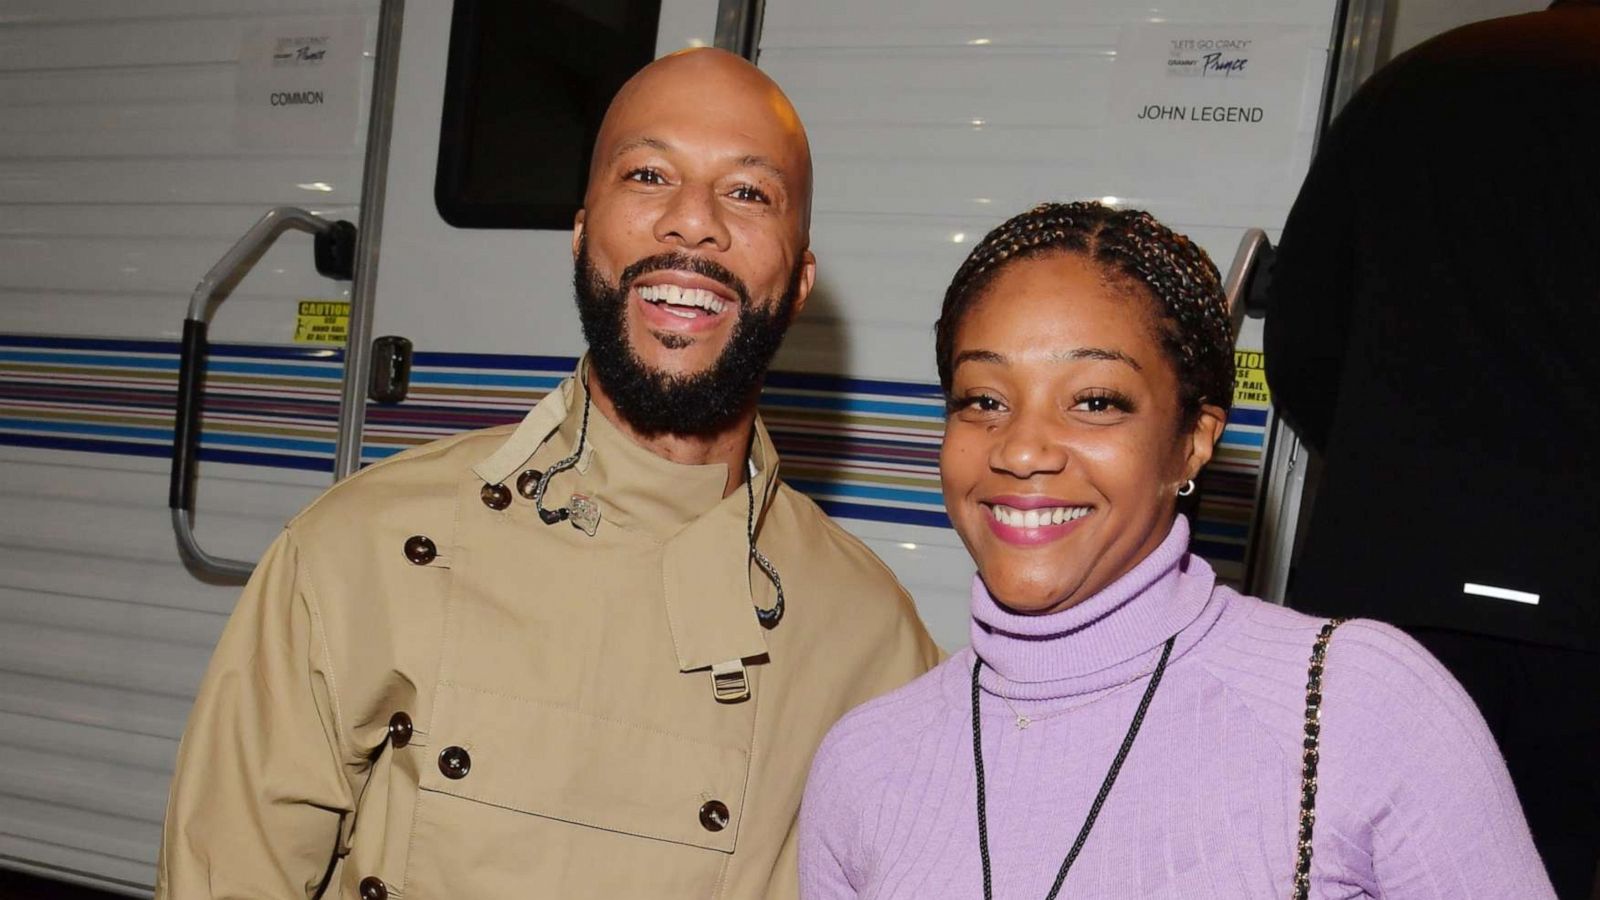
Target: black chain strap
x=1309, y=759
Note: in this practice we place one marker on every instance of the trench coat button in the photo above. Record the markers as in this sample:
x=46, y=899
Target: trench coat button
x=714, y=815
x=528, y=482
x=373, y=888
x=454, y=762
x=399, y=730
x=420, y=549
x=495, y=496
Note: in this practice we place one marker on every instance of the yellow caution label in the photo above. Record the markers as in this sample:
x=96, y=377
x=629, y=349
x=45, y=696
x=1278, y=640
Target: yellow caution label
x=1250, y=379
x=322, y=322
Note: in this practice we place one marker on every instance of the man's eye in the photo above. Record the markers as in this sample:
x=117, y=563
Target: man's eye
x=746, y=193
x=645, y=175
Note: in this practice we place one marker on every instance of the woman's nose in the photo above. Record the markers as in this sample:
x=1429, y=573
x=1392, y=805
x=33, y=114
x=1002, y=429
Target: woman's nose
x=1028, y=447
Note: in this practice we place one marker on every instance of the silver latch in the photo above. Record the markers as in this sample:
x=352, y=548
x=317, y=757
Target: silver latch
x=729, y=683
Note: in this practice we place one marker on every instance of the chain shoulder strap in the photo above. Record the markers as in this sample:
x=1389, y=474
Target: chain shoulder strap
x=1309, y=758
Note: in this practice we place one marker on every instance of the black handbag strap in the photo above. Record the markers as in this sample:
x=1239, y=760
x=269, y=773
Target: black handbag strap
x=1308, y=760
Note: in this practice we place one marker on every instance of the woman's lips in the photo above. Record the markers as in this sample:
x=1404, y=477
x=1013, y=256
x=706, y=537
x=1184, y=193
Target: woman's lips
x=1030, y=521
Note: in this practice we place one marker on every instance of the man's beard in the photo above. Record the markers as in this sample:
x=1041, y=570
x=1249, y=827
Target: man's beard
x=653, y=402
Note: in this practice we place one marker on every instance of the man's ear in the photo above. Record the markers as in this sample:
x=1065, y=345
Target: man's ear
x=577, y=232
x=1202, y=439
x=808, y=278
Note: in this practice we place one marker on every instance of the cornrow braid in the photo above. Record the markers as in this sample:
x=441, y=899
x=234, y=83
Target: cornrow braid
x=1131, y=246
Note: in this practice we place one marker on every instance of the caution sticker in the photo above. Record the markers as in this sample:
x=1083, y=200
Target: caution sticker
x=1250, y=379
x=322, y=322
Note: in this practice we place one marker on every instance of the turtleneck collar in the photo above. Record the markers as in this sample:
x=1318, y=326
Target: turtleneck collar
x=1109, y=639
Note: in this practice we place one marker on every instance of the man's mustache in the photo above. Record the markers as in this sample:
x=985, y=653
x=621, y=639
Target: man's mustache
x=684, y=262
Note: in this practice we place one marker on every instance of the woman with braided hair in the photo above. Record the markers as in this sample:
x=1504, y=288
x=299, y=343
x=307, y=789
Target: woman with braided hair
x=1122, y=726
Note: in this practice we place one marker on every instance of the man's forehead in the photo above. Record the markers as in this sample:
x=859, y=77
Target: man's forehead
x=705, y=93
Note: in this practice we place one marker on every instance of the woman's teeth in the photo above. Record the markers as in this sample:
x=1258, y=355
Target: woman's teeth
x=1037, y=518
x=671, y=295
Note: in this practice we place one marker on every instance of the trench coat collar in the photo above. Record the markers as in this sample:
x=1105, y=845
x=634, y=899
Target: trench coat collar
x=710, y=585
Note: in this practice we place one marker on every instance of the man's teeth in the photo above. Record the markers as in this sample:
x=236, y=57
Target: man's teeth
x=673, y=295
x=1037, y=518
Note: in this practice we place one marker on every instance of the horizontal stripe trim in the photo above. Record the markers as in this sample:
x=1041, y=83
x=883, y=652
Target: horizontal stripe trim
x=869, y=492
x=851, y=404
x=845, y=510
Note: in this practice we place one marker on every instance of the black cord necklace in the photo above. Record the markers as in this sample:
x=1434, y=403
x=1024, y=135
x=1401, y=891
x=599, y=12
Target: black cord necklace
x=1099, y=800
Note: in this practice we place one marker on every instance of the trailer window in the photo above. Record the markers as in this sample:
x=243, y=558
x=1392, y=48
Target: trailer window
x=527, y=84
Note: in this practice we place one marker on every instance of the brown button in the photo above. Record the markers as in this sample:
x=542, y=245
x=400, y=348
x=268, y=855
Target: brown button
x=373, y=888
x=528, y=482
x=714, y=815
x=399, y=729
x=420, y=550
x=454, y=762
x=495, y=496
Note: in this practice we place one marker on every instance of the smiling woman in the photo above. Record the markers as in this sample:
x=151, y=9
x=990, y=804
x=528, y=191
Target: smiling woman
x=1122, y=725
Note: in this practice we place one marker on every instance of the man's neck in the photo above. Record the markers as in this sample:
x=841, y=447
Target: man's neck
x=729, y=446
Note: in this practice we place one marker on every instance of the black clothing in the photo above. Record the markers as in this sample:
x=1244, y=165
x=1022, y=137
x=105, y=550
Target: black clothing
x=1530, y=695
x=1433, y=328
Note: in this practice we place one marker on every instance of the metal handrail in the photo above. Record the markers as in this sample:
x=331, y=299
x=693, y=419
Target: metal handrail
x=191, y=378
x=1236, y=286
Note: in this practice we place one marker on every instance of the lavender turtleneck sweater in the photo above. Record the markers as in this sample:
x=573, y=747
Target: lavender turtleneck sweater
x=1413, y=802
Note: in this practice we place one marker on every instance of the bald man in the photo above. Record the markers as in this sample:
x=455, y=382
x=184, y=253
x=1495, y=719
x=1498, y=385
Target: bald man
x=591, y=655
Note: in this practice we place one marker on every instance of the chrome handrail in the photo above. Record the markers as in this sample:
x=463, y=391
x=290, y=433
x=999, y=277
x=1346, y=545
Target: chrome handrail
x=1236, y=286
x=191, y=375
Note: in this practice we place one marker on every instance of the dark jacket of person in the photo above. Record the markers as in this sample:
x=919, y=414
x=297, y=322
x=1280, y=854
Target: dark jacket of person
x=1433, y=333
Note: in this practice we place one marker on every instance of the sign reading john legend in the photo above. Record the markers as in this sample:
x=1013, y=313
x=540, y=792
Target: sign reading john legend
x=1226, y=102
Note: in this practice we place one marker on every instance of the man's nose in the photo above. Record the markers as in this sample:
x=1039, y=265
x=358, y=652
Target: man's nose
x=692, y=219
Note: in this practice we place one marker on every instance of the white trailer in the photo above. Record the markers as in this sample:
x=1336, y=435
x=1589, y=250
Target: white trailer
x=139, y=141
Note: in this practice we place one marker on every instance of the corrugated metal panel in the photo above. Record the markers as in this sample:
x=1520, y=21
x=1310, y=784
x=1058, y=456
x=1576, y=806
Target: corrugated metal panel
x=121, y=183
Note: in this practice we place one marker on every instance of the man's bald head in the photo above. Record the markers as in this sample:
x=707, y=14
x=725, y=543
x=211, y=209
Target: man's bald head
x=719, y=89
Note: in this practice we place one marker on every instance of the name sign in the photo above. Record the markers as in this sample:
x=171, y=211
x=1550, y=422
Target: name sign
x=299, y=85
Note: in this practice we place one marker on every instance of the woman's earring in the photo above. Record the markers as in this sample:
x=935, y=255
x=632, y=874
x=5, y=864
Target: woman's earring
x=1187, y=489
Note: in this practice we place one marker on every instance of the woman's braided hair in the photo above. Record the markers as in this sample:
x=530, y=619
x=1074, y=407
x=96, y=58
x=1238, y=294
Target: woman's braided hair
x=1131, y=246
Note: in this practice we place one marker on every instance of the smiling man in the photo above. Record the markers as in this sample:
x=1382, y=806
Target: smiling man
x=591, y=655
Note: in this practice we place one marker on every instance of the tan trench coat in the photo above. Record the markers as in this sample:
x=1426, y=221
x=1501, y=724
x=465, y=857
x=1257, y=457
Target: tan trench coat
x=527, y=711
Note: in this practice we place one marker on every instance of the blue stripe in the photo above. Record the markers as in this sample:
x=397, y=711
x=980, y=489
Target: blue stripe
x=851, y=404
x=1253, y=417
x=871, y=492
x=126, y=431
x=565, y=365
x=809, y=381
x=272, y=443
x=1242, y=438
x=83, y=359
x=321, y=372
x=472, y=378
x=165, y=434
x=900, y=515
x=380, y=451
x=164, y=451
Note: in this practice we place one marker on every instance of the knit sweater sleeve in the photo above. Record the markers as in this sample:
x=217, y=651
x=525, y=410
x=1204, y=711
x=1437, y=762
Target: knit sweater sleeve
x=1415, y=802
x=829, y=818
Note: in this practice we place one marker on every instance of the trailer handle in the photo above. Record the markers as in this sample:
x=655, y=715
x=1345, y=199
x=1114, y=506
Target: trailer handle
x=1247, y=278
x=191, y=375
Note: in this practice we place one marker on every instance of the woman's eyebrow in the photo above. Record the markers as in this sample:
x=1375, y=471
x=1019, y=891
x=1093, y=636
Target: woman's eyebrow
x=988, y=356
x=1098, y=353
